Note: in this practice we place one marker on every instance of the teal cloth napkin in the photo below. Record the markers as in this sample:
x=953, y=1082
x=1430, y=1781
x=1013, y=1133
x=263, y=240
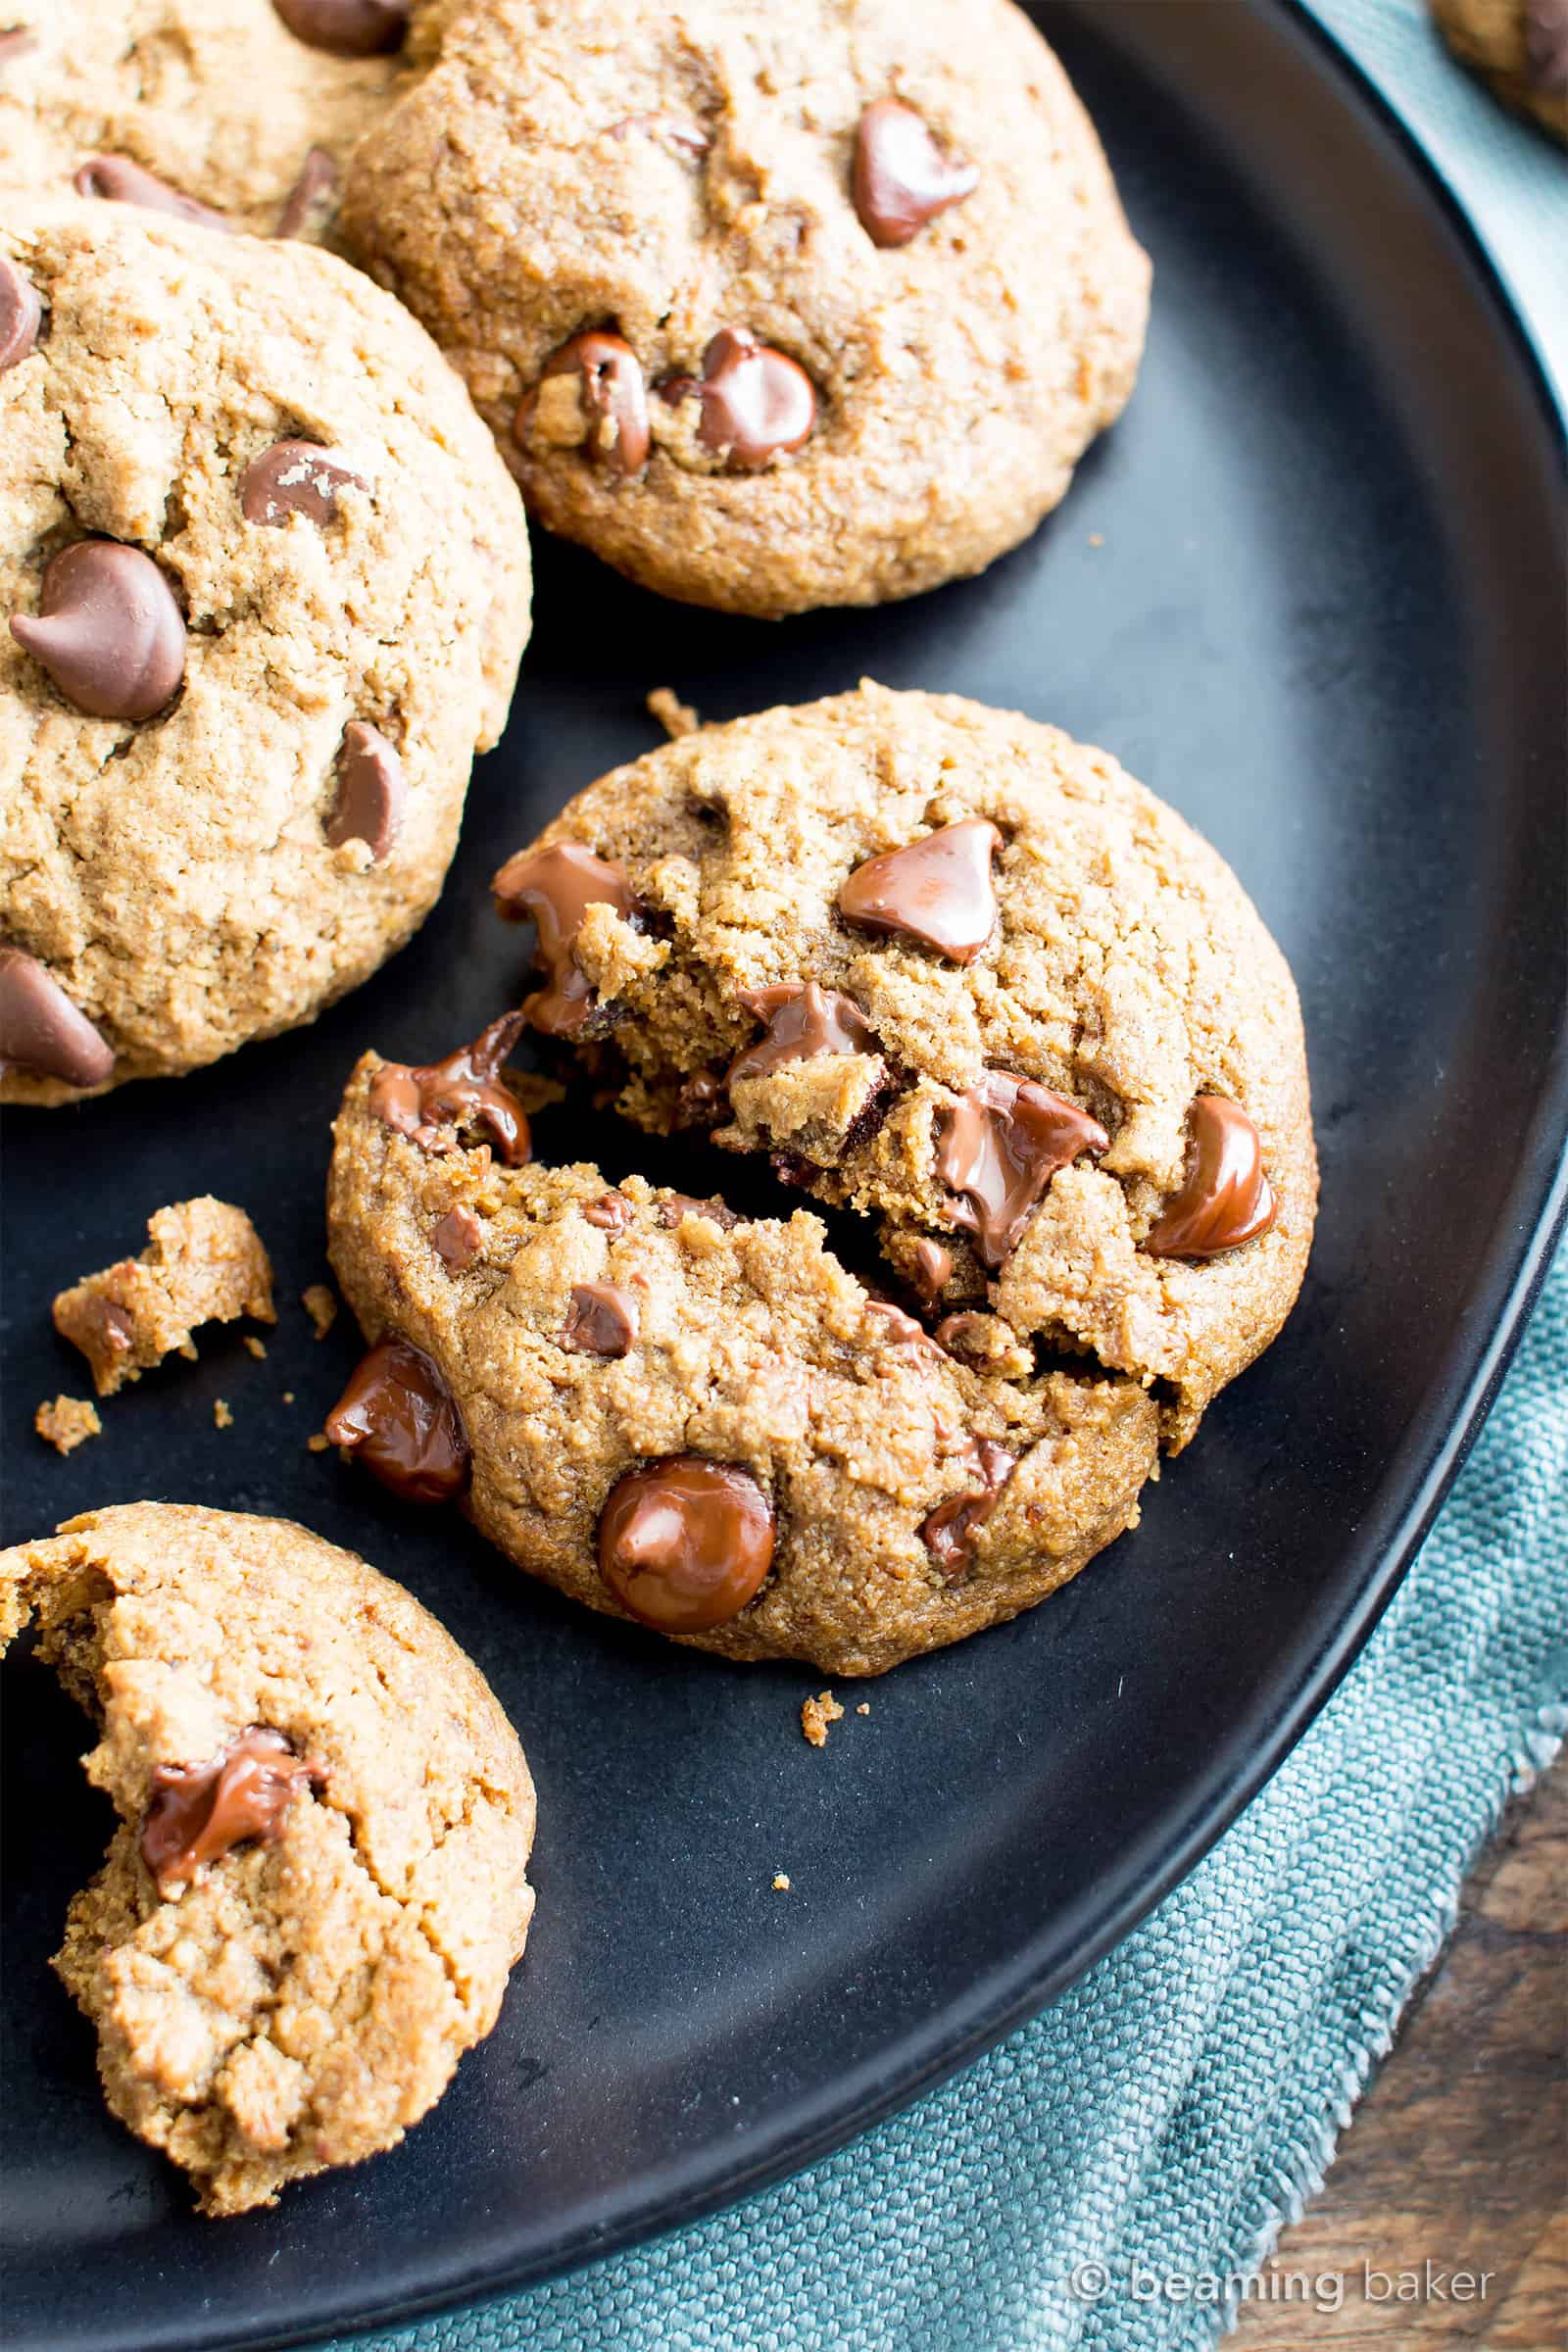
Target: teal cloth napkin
x=1175, y=2109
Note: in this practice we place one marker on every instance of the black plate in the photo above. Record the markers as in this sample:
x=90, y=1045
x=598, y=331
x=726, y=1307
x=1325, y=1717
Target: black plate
x=1327, y=621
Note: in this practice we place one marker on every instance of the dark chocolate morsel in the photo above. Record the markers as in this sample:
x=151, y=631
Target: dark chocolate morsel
x=371, y=792
x=949, y=1532
x=612, y=1212
x=900, y=179
x=685, y=1544
x=1225, y=1199
x=604, y=404
x=399, y=1419
x=455, y=1239
x=199, y=1812
x=430, y=1103
x=937, y=890
x=676, y=1206
x=601, y=1320
x=121, y=181
x=311, y=198
x=999, y=1148
x=294, y=477
x=556, y=887
x=758, y=404
x=42, y=1031
x=933, y=1266
x=802, y=1022
x=347, y=28
x=20, y=315
x=107, y=629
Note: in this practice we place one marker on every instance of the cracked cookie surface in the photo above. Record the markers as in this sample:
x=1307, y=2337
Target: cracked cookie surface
x=297, y=1998
x=233, y=745
x=877, y=1497
x=1029, y=974
x=770, y=308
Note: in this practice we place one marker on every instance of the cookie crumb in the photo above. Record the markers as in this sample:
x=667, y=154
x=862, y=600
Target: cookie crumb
x=815, y=1716
x=321, y=1307
x=221, y=1414
x=781, y=1884
x=258, y=1348
x=319, y=1443
x=204, y=1263
x=68, y=1423
x=677, y=719
x=865, y=1707
x=288, y=1395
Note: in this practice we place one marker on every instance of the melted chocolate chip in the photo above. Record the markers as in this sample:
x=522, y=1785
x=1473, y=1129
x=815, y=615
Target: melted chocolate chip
x=756, y=403
x=949, y=1532
x=199, y=1812
x=431, y=1101
x=107, y=630
x=347, y=28
x=895, y=1329
x=1546, y=46
x=295, y=477
x=802, y=1024
x=932, y=1268
x=900, y=179
x=41, y=1030
x=455, y=1239
x=612, y=1212
x=1225, y=1198
x=371, y=792
x=600, y=1320
x=556, y=887
x=676, y=1206
x=998, y=1150
x=685, y=1544
x=604, y=407
x=399, y=1419
x=20, y=315
x=311, y=198
x=937, y=890
x=119, y=180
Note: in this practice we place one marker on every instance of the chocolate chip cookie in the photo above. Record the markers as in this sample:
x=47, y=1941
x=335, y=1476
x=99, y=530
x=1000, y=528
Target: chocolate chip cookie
x=952, y=969
x=242, y=112
x=267, y=586
x=703, y=1422
x=204, y=1263
x=771, y=308
x=1520, y=50
x=318, y=1880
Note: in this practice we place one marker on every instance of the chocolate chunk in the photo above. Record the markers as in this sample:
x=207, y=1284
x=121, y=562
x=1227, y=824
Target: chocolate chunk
x=900, y=179
x=699, y=1100
x=684, y=1544
x=556, y=887
x=347, y=28
x=199, y=1812
x=431, y=1101
x=107, y=630
x=676, y=1206
x=802, y=1024
x=949, y=1532
x=20, y=315
x=605, y=410
x=371, y=792
x=295, y=477
x=612, y=1212
x=41, y=1030
x=1225, y=1198
x=1546, y=46
x=311, y=198
x=121, y=181
x=933, y=1266
x=999, y=1148
x=756, y=403
x=399, y=1419
x=455, y=1239
x=601, y=1320
x=937, y=890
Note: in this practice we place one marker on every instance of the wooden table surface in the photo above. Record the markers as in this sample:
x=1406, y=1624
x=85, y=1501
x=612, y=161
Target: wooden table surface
x=1458, y=2154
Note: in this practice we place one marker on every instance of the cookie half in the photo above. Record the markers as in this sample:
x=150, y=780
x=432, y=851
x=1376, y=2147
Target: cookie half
x=770, y=308
x=267, y=585
x=318, y=1881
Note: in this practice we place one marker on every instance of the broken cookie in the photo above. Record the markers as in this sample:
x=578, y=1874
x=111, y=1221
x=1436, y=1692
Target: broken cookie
x=204, y=1263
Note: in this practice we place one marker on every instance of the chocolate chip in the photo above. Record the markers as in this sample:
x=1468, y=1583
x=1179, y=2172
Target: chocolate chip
x=685, y=1544
x=399, y=1419
x=932, y=1268
x=968, y=1336
x=897, y=1330
x=198, y=1812
x=1225, y=1199
x=802, y=1021
x=998, y=1150
x=601, y=1320
x=20, y=315
x=119, y=180
x=1546, y=46
x=900, y=179
x=937, y=890
x=347, y=28
x=295, y=477
x=949, y=1532
x=41, y=1030
x=556, y=887
x=311, y=198
x=676, y=1206
x=455, y=1239
x=756, y=403
x=371, y=792
x=107, y=630
x=612, y=1212
x=599, y=403
x=431, y=1101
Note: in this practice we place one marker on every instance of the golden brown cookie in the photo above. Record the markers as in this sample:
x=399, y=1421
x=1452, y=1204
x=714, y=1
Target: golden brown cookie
x=1519, y=48
x=204, y=1263
x=318, y=1881
x=771, y=308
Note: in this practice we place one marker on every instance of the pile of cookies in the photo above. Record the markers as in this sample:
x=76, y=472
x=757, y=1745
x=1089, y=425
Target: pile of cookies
x=302, y=302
